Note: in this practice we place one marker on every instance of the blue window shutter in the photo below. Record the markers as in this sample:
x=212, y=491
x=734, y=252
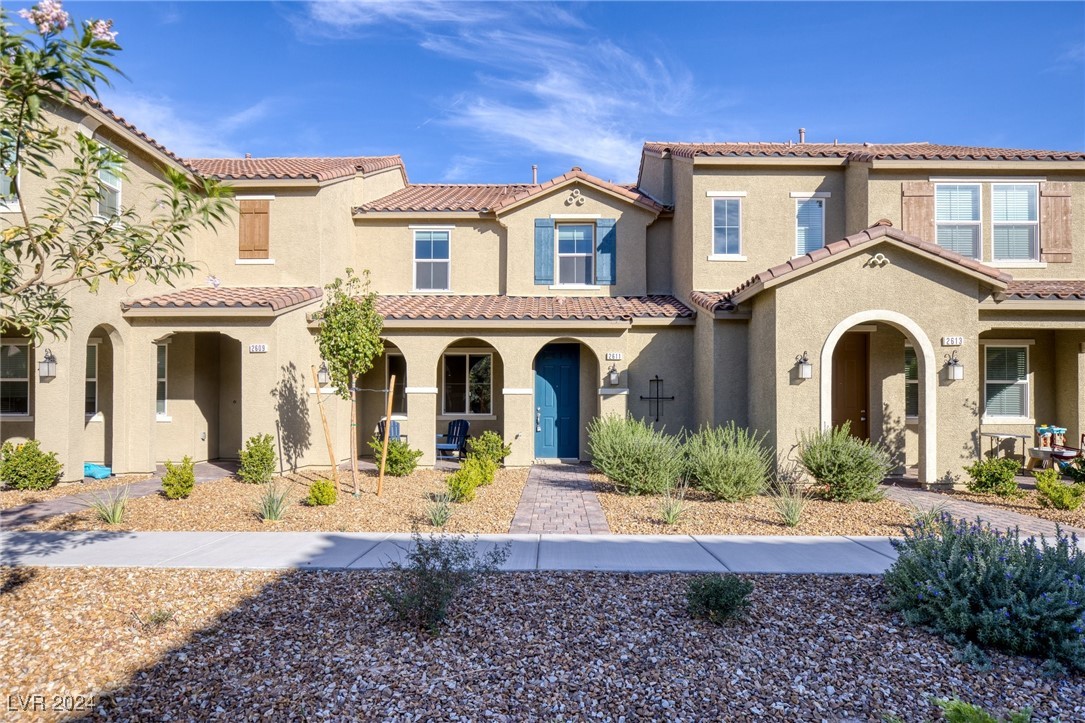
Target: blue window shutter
x=606, y=251
x=544, y=251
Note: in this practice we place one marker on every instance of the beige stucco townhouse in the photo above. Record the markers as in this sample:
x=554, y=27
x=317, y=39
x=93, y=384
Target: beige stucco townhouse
x=689, y=298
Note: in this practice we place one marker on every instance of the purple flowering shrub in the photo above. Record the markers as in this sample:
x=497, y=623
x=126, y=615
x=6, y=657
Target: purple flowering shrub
x=974, y=585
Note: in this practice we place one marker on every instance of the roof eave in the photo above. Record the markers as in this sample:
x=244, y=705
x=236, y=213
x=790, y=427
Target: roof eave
x=986, y=164
x=718, y=160
x=528, y=197
x=359, y=215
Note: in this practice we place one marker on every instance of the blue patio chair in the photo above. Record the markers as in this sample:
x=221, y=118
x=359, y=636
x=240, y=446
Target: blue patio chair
x=393, y=431
x=454, y=445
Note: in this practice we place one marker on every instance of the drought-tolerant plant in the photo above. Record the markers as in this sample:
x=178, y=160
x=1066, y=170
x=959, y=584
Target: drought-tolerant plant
x=257, y=459
x=1075, y=469
x=993, y=476
x=956, y=710
x=927, y=515
x=272, y=502
x=637, y=458
x=437, y=568
x=673, y=504
x=401, y=460
x=730, y=463
x=27, y=467
x=156, y=619
x=849, y=468
x=111, y=506
x=439, y=509
x=474, y=472
x=1053, y=493
x=321, y=493
x=718, y=598
x=489, y=445
x=179, y=480
x=789, y=495
x=975, y=585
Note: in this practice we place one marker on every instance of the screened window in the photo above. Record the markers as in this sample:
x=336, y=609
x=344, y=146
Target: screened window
x=160, y=383
x=14, y=378
x=1015, y=221
x=809, y=225
x=431, y=260
x=576, y=253
x=911, y=383
x=90, y=403
x=109, y=199
x=397, y=365
x=957, y=217
x=468, y=384
x=726, y=226
x=1006, y=381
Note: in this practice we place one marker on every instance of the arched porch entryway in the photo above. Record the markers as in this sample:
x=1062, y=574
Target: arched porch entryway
x=565, y=397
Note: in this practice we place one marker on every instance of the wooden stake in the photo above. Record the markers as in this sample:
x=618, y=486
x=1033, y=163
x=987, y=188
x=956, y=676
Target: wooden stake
x=387, y=431
x=354, y=438
x=327, y=432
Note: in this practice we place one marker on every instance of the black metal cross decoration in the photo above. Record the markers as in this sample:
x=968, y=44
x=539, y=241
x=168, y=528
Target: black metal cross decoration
x=655, y=397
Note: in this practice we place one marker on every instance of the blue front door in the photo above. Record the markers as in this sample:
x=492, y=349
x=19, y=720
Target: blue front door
x=557, y=401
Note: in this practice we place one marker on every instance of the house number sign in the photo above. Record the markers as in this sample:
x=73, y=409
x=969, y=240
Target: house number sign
x=952, y=340
x=614, y=356
x=258, y=348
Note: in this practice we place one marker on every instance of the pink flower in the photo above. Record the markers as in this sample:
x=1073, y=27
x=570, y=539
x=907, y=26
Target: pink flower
x=48, y=15
x=102, y=30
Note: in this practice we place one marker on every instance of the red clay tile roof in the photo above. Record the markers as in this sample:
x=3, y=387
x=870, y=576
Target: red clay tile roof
x=271, y=298
x=318, y=169
x=862, y=151
x=97, y=105
x=445, y=197
x=628, y=192
x=488, y=308
x=711, y=300
x=1045, y=290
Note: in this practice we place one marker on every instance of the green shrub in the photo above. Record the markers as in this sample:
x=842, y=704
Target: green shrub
x=850, y=469
x=789, y=496
x=1053, y=493
x=974, y=585
x=440, y=509
x=636, y=457
x=730, y=463
x=111, y=506
x=1075, y=470
x=489, y=445
x=271, y=505
x=179, y=480
x=718, y=598
x=401, y=461
x=958, y=711
x=257, y=459
x=437, y=568
x=474, y=472
x=993, y=476
x=321, y=493
x=26, y=467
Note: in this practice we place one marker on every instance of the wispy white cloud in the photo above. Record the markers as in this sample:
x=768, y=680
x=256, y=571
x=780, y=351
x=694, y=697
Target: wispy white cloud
x=1071, y=58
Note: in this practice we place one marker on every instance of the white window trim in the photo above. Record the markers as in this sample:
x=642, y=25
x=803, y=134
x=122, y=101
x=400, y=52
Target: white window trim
x=977, y=223
x=581, y=287
x=119, y=189
x=811, y=194
x=558, y=255
x=727, y=257
x=1013, y=263
x=725, y=194
x=1017, y=264
x=1028, y=418
x=254, y=262
x=913, y=418
x=162, y=416
x=414, y=255
x=97, y=409
x=467, y=400
x=12, y=206
x=30, y=363
x=824, y=215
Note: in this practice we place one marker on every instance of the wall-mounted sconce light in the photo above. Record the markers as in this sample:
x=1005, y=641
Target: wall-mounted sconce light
x=322, y=375
x=806, y=369
x=954, y=368
x=612, y=375
x=47, y=367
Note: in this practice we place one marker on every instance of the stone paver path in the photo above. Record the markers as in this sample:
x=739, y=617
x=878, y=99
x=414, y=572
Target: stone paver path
x=559, y=498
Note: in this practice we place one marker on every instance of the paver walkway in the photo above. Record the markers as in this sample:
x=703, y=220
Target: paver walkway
x=559, y=498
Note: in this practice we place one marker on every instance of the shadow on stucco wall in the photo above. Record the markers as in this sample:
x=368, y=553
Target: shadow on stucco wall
x=292, y=415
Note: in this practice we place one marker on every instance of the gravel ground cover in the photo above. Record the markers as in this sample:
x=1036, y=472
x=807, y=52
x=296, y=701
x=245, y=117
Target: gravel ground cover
x=1027, y=504
x=230, y=505
x=14, y=498
x=238, y=646
x=704, y=516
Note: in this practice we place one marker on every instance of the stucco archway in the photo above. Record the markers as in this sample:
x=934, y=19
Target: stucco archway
x=928, y=411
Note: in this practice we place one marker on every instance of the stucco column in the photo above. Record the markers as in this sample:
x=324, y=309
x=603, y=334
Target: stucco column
x=519, y=425
x=57, y=410
x=421, y=355
x=135, y=408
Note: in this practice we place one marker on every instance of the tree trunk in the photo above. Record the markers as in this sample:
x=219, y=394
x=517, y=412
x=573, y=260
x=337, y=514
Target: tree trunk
x=354, y=439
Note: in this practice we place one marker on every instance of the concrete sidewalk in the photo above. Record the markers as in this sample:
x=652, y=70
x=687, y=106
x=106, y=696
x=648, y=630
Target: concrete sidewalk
x=363, y=551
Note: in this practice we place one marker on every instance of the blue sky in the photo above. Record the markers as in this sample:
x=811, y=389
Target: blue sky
x=478, y=92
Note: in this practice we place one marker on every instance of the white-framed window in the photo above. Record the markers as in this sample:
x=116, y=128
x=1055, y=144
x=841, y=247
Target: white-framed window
x=431, y=260
x=468, y=383
x=1015, y=221
x=8, y=200
x=161, y=354
x=15, y=377
x=576, y=254
x=809, y=225
x=911, y=383
x=1006, y=383
x=109, y=180
x=958, y=219
x=90, y=397
x=727, y=226
x=397, y=365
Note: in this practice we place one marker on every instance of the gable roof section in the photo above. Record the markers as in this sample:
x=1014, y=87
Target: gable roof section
x=861, y=151
x=227, y=300
x=627, y=193
x=445, y=197
x=315, y=169
x=531, y=308
x=123, y=124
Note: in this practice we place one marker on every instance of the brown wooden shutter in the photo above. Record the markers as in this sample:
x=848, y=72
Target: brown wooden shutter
x=917, y=209
x=1056, y=243
x=253, y=241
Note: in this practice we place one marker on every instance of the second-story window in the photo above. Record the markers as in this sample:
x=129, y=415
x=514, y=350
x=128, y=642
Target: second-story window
x=809, y=225
x=431, y=260
x=576, y=254
x=254, y=229
x=8, y=199
x=1015, y=221
x=726, y=220
x=109, y=198
x=957, y=217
